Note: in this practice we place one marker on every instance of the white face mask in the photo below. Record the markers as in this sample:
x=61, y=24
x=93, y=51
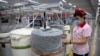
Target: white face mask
x=77, y=22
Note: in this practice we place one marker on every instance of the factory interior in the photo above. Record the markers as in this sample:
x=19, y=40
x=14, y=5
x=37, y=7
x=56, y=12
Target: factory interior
x=39, y=27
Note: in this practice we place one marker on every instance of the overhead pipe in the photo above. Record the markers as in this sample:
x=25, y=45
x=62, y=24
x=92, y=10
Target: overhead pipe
x=51, y=5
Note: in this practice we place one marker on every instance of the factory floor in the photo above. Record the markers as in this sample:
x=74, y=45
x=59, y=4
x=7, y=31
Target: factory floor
x=93, y=42
x=97, y=45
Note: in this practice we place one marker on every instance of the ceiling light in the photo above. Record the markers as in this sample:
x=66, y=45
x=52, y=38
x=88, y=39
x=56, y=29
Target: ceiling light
x=20, y=4
x=64, y=1
x=99, y=1
x=32, y=1
x=3, y=1
x=42, y=4
x=70, y=4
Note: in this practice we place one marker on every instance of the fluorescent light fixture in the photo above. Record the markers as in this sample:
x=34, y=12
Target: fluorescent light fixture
x=70, y=4
x=20, y=4
x=99, y=1
x=64, y=1
x=74, y=6
x=3, y=1
x=32, y=1
x=42, y=4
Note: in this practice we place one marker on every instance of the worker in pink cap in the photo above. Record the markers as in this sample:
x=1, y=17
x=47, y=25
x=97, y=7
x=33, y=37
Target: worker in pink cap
x=81, y=34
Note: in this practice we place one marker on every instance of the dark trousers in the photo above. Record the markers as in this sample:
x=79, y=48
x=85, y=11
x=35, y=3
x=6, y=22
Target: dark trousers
x=80, y=55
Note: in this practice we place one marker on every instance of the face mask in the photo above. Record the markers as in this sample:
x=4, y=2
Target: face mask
x=78, y=22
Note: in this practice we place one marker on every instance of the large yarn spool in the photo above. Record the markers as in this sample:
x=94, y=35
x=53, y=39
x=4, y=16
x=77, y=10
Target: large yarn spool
x=48, y=40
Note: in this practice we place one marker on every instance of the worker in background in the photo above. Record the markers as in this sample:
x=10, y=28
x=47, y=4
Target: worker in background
x=81, y=34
